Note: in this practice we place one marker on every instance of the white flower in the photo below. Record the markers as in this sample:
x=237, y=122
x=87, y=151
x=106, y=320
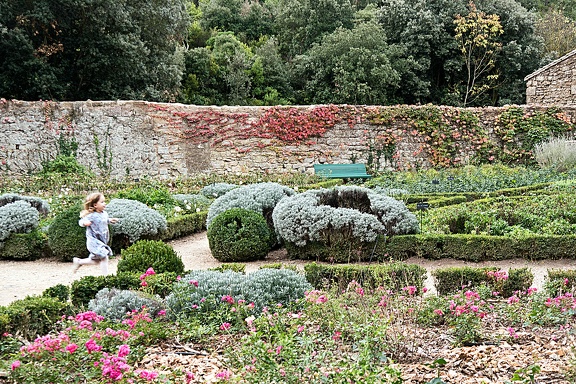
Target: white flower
x=188, y=207
x=177, y=208
x=197, y=209
x=296, y=188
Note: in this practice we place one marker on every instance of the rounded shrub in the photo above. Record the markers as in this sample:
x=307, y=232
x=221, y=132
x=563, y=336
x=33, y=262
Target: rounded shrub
x=17, y=217
x=239, y=235
x=25, y=246
x=65, y=237
x=339, y=224
x=39, y=204
x=137, y=221
x=113, y=304
x=146, y=254
x=215, y=190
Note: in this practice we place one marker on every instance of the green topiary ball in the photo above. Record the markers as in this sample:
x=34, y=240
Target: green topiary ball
x=239, y=235
x=65, y=237
x=153, y=254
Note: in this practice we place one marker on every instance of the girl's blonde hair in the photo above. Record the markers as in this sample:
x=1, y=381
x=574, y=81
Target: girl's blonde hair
x=90, y=202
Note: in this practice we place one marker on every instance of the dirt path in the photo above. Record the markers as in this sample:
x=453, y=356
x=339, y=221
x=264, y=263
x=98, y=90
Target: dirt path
x=19, y=279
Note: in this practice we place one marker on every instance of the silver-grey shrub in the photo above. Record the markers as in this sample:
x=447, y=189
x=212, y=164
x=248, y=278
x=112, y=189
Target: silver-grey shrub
x=353, y=212
x=260, y=198
x=558, y=153
x=17, y=217
x=264, y=288
x=216, y=190
x=40, y=204
x=136, y=219
x=114, y=303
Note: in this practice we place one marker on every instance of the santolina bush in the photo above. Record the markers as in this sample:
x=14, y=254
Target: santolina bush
x=136, y=219
x=17, y=217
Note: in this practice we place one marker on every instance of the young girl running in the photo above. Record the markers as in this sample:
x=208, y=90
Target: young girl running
x=96, y=220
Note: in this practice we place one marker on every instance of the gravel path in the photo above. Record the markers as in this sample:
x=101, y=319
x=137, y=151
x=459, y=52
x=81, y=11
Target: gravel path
x=19, y=279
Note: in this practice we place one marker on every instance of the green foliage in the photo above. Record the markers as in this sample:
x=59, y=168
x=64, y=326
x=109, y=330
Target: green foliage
x=65, y=165
x=153, y=254
x=58, y=291
x=183, y=225
x=560, y=281
x=238, y=235
x=454, y=279
x=160, y=284
x=476, y=247
x=505, y=216
x=149, y=195
x=33, y=315
x=100, y=51
x=86, y=288
x=65, y=237
x=116, y=305
x=393, y=276
x=25, y=246
x=351, y=66
x=234, y=267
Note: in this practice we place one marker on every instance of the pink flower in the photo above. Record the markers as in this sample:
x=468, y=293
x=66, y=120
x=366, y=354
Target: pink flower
x=513, y=299
x=15, y=365
x=124, y=350
x=439, y=312
x=410, y=289
x=321, y=299
x=300, y=329
x=424, y=290
x=71, y=348
x=225, y=326
x=194, y=283
x=337, y=335
x=512, y=332
x=162, y=313
x=91, y=346
x=148, y=375
x=150, y=271
x=189, y=377
x=278, y=349
x=144, y=283
x=282, y=372
x=178, y=278
x=225, y=374
x=227, y=298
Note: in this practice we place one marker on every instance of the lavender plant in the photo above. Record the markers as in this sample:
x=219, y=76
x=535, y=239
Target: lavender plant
x=115, y=304
x=136, y=219
x=214, y=191
x=354, y=212
x=260, y=198
x=17, y=217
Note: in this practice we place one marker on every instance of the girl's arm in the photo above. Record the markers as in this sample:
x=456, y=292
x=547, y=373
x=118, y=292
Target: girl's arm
x=83, y=222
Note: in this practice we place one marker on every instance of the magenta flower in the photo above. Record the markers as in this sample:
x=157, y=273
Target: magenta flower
x=15, y=364
x=225, y=374
x=91, y=346
x=150, y=271
x=123, y=350
x=71, y=348
x=194, y=283
x=225, y=326
x=148, y=375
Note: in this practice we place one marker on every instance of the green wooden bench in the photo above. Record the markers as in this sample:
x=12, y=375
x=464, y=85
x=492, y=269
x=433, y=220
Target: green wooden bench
x=341, y=171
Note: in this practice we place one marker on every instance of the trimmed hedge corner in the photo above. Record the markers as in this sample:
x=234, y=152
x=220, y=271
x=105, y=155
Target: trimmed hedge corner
x=451, y=280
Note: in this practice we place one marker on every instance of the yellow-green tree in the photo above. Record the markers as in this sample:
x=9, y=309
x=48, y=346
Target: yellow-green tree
x=477, y=35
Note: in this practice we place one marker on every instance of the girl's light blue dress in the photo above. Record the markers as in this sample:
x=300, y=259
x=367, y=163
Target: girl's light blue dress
x=97, y=235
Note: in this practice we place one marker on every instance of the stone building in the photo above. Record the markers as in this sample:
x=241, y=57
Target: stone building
x=553, y=84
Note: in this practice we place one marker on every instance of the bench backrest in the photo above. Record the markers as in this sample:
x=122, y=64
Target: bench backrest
x=356, y=170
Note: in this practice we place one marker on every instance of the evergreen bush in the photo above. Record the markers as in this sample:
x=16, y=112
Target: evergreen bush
x=340, y=224
x=33, y=316
x=113, y=304
x=59, y=291
x=178, y=226
x=453, y=279
x=148, y=195
x=137, y=221
x=25, y=246
x=66, y=238
x=86, y=288
x=239, y=235
x=194, y=203
x=153, y=254
x=202, y=292
x=560, y=281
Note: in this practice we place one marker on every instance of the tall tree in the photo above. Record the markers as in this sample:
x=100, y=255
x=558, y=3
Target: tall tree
x=558, y=32
x=477, y=35
x=97, y=49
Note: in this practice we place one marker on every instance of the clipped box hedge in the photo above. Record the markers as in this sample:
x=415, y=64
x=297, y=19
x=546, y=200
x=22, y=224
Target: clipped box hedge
x=32, y=316
x=476, y=247
x=25, y=246
x=184, y=225
x=394, y=276
x=453, y=279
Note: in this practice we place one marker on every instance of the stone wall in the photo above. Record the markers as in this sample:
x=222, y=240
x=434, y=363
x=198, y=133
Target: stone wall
x=134, y=139
x=554, y=84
